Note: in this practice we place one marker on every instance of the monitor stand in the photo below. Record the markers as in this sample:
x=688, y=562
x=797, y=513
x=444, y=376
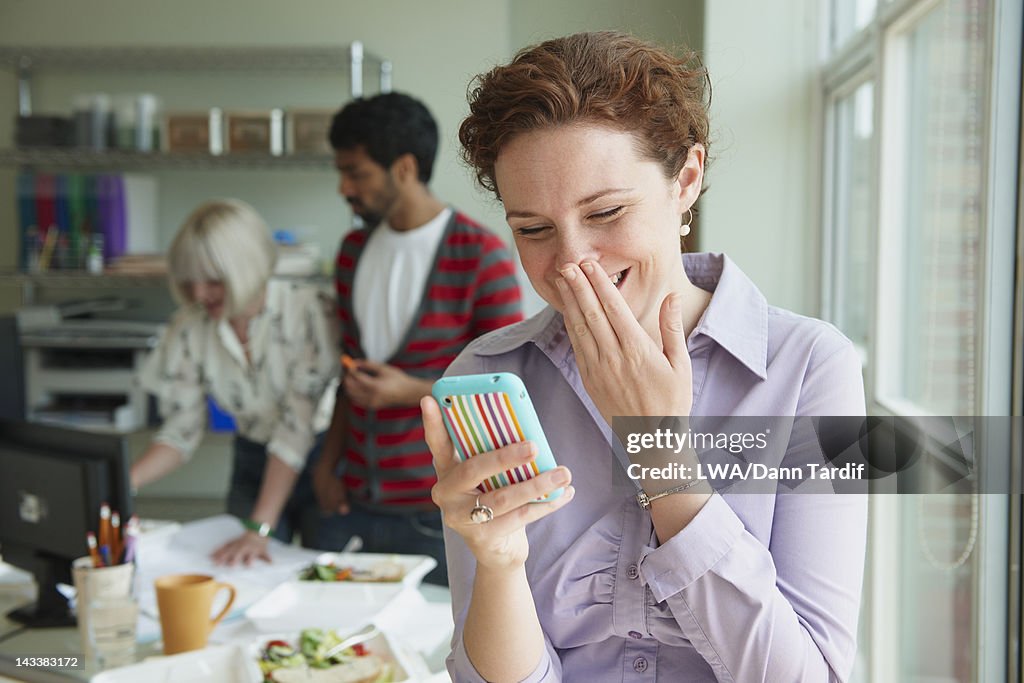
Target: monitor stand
x=31, y=616
x=50, y=610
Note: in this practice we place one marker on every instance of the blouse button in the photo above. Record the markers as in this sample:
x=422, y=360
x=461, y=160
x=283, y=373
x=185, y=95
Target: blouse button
x=640, y=665
x=636, y=635
x=632, y=572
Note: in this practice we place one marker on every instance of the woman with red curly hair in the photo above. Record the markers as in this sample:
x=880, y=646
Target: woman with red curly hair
x=596, y=145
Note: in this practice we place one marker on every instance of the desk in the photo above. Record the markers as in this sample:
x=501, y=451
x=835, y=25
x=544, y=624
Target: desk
x=15, y=641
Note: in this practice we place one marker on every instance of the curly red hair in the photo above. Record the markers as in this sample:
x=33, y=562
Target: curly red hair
x=607, y=78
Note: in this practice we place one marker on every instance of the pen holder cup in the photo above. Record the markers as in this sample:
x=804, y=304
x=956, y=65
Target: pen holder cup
x=95, y=584
x=185, y=602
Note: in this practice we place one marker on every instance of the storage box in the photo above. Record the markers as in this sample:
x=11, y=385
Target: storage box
x=255, y=132
x=41, y=130
x=307, y=131
x=193, y=132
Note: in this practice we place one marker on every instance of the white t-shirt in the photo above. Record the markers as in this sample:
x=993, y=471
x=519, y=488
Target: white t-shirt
x=389, y=281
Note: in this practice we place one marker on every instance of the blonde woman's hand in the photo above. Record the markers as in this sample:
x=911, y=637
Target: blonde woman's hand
x=622, y=367
x=500, y=543
x=243, y=550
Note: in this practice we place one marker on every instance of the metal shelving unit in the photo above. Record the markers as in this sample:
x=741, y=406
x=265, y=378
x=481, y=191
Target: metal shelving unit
x=72, y=158
x=30, y=283
x=182, y=58
x=80, y=278
x=25, y=60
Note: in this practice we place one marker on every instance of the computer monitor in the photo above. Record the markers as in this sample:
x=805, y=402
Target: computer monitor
x=53, y=481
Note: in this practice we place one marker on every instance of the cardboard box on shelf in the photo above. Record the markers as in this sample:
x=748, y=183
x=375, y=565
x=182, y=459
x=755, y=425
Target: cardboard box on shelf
x=307, y=131
x=193, y=132
x=255, y=131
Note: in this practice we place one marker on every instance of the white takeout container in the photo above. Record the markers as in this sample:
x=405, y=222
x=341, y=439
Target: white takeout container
x=213, y=664
x=409, y=666
x=344, y=606
x=415, y=566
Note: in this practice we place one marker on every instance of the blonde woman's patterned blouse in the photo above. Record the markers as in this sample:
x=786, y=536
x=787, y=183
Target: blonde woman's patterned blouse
x=278, y=395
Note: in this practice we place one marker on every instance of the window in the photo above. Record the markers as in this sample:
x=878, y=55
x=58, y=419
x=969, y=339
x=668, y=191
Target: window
x=852, y=209
x=922, y=102
x=848, y=16
x=931, y=196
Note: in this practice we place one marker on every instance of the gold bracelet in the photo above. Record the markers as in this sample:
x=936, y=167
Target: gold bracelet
x=644, y=500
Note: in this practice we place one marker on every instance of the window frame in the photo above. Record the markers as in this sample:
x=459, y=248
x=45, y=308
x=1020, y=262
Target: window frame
x=831, y=280
x=870, y=54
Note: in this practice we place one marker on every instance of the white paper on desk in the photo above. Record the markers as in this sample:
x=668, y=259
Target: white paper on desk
x=188, y=552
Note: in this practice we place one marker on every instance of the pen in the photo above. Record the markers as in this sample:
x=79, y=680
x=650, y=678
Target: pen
x=90, y=539
x=131, y=538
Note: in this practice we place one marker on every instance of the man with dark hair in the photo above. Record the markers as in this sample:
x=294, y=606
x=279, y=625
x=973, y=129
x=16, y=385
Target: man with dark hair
x=414, y=286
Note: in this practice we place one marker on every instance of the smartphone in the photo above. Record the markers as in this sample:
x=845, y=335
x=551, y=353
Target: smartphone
x=485, y=412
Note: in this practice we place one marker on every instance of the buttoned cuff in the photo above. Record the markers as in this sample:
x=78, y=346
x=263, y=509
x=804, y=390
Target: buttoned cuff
x=685, y=557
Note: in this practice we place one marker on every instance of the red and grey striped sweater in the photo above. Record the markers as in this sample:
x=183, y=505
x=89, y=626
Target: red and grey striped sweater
x=471, y=290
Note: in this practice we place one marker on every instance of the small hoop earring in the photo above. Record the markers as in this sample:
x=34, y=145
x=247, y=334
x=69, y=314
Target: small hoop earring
x=684, y=229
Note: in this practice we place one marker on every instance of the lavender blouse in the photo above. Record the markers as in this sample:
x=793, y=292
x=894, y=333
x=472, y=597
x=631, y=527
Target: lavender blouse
x=758, y=587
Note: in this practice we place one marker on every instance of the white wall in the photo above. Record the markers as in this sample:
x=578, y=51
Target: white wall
x=761, y=207
x=673, y=23
x=667, y=22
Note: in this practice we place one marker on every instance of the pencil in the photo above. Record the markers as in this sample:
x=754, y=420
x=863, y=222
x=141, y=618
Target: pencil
x=90, y=540
x=115, y=536
x=104, y=538
x=347, y=362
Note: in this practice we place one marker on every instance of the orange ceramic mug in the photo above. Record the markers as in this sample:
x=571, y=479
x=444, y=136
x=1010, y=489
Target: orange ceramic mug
x=184, y=601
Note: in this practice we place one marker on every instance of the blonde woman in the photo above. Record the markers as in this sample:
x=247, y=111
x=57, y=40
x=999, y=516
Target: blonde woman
x=262, y=350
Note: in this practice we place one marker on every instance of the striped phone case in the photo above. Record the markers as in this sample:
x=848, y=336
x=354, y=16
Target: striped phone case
x=484, y=413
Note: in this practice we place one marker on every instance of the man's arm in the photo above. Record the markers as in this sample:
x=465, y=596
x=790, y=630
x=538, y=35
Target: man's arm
x=330, y=490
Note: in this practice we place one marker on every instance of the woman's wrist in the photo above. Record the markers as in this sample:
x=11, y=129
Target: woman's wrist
x=500, y=573
x=500, y=564
x=260, y=529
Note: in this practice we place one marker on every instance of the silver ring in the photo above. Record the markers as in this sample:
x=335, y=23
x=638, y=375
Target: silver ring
x=480, y=514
